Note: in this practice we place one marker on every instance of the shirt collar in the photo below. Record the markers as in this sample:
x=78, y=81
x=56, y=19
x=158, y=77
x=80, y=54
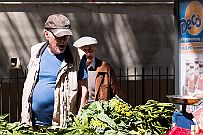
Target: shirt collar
x=92, y=64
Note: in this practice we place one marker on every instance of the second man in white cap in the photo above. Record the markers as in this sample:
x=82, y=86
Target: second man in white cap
x=102, y=82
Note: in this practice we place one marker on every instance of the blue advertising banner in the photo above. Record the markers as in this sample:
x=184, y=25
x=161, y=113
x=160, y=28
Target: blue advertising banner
x=190, y=18
x=191, y=47
x=190, y=21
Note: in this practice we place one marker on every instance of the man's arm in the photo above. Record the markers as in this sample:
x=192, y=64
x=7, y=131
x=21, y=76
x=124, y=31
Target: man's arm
x=83, y=93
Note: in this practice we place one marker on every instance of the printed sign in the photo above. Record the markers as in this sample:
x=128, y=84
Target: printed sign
x=191, y=47
x=191, y=50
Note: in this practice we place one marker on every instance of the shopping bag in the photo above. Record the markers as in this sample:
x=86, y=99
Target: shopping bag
x=176, y=130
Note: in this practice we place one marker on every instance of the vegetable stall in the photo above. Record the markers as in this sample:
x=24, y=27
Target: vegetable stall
x=113, y=117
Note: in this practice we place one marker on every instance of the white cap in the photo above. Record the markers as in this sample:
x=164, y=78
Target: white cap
x=83, y=41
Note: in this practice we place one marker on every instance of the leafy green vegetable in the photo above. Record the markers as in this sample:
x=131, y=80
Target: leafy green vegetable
x=113, y=117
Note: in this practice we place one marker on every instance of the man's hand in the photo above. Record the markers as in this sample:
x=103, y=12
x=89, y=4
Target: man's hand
x=84, y=94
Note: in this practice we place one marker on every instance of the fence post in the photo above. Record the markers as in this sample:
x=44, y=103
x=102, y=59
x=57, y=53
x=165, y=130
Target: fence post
x=9, y=99
x=120, y=77
x=174, y=80
x=152, y=82
x=159, y=82
x=127, y=85
x=1, y=96
x=143, y=85
x=166, y=81
x=135, y=70
x=17, y=95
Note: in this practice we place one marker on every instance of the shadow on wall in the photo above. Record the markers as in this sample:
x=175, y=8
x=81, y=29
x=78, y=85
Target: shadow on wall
x=4, y=58
x=19, y=32
x=125, y=39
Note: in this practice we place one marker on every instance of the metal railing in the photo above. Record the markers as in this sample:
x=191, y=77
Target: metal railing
x=137, y=85
x=143, y=84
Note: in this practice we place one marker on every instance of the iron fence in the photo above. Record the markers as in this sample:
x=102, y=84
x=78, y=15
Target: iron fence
x=137, y=85
x=143, y=84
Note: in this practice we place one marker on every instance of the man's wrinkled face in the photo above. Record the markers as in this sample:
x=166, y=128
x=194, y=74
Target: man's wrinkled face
x=89, y=51
x=57, y=44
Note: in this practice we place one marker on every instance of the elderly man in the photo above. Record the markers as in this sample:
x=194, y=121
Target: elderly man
x=102, y=83
x=51, y=87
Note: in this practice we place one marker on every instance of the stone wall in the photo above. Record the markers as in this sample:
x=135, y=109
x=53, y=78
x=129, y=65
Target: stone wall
x=129, y=34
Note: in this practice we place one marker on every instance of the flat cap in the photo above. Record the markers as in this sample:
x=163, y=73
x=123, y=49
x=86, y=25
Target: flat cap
x=83, y=41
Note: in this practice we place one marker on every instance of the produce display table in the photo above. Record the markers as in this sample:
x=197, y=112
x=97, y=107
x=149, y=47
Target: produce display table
x=183, y=118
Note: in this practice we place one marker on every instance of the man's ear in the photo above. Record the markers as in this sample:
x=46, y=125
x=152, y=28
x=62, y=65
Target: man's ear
x=46, y=34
